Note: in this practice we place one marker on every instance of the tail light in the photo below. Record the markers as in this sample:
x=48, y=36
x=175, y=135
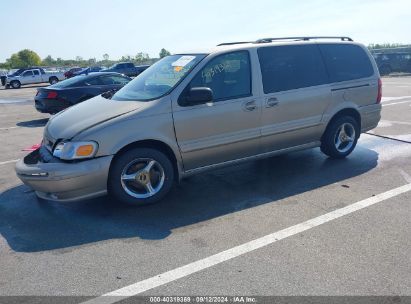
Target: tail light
x=379, y=95
x=51, y=95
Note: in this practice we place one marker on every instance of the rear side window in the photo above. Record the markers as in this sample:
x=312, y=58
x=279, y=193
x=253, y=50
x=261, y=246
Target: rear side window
x=346, y=62
x=36, y=72
x=92, y=81
x=291, y=67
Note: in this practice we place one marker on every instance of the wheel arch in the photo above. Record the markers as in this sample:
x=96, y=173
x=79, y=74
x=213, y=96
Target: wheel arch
x=15, y=80
x=153, y=144
x=344, y=112
x=53, y=77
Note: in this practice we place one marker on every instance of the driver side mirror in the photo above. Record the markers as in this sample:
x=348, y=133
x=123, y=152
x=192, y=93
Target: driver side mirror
x=199, y=95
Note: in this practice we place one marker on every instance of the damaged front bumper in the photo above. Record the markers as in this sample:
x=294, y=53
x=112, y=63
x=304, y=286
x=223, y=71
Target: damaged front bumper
x=57, y=180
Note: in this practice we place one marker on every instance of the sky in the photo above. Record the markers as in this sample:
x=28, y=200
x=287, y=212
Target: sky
x=91, y=28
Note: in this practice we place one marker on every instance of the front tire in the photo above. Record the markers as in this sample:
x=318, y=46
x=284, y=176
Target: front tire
x=140, y=176
x=15, y=84
x=341, y=137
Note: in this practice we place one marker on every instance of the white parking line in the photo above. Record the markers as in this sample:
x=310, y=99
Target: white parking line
x=186, y=270
x=385, y=99
x=9, y=162
x=395, y=103
x=8, y=128
x=390, y=122
x=406, y=176
x=10, y=101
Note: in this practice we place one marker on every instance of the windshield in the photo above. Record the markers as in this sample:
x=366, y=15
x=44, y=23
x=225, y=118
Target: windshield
x=159, y=79
x=15, y=72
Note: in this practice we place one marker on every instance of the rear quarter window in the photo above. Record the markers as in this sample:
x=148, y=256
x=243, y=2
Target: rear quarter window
x=346, y=62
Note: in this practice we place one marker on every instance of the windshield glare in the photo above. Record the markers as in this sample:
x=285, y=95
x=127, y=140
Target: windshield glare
x=159, y=79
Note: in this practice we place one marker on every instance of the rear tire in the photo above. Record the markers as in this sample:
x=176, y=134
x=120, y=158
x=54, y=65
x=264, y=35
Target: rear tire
x=53, y=80
x=140, y=176
x=340, y=137
x=15, y=84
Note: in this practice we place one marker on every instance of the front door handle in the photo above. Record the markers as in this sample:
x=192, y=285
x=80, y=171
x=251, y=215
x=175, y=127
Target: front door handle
x=250, y=105
x=272, y=102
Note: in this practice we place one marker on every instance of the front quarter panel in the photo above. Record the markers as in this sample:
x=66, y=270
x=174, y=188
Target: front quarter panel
x=153, y=121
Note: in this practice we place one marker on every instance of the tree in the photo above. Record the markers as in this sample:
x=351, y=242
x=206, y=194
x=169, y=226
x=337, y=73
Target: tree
x=92, y=61
x=106, y=57
x=15, y=62
x=164, y=53
x=24, y=58
x=79, y=58
x=126, y=58
x=48, y=61
x=29, y=57
x=141, y=58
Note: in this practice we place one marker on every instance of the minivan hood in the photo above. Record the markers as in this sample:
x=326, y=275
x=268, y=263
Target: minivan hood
x=72, y=121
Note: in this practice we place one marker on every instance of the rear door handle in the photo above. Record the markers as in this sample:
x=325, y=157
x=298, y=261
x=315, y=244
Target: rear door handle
x=272, y=102
x=250, y=105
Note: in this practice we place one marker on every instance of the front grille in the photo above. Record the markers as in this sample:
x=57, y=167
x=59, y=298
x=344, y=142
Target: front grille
x=45, y=155
x=40, y=155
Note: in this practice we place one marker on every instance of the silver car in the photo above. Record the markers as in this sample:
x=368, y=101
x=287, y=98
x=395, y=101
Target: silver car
x=192, y=112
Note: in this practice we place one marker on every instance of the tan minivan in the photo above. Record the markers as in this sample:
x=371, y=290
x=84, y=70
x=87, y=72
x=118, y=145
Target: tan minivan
x=193, y=112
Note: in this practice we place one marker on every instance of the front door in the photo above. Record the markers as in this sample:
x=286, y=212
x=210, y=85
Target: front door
x=27, y=77
x=228, y=128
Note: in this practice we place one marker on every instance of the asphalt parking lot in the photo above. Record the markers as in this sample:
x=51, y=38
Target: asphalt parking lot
x=220, y=219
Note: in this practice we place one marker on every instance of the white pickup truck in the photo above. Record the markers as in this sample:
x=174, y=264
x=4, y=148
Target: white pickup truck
x=32, y=76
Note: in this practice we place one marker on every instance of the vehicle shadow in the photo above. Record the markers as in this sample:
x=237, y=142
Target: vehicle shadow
x=35, y=123
x=29, y=86
x=29, y=225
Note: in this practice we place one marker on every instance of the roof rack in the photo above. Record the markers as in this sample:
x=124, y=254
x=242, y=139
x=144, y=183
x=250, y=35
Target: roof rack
x=231, y=43
x=267, y=40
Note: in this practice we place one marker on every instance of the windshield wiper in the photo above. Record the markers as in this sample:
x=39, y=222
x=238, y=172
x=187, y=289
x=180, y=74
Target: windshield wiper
x=109, y=94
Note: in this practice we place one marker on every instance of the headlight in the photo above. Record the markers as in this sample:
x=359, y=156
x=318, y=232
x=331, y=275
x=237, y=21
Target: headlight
x=75, y=150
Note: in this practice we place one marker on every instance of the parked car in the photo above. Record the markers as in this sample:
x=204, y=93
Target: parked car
x=127, y=68
x=87, y=70
x=70, y=73
x=393, y=62
x=33, y=76
x=195, y=112
x=62, y=95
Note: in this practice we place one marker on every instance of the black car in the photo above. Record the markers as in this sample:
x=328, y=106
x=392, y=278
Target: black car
x=64, y=94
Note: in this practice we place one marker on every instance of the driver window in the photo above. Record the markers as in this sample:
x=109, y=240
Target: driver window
x=228, y=76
